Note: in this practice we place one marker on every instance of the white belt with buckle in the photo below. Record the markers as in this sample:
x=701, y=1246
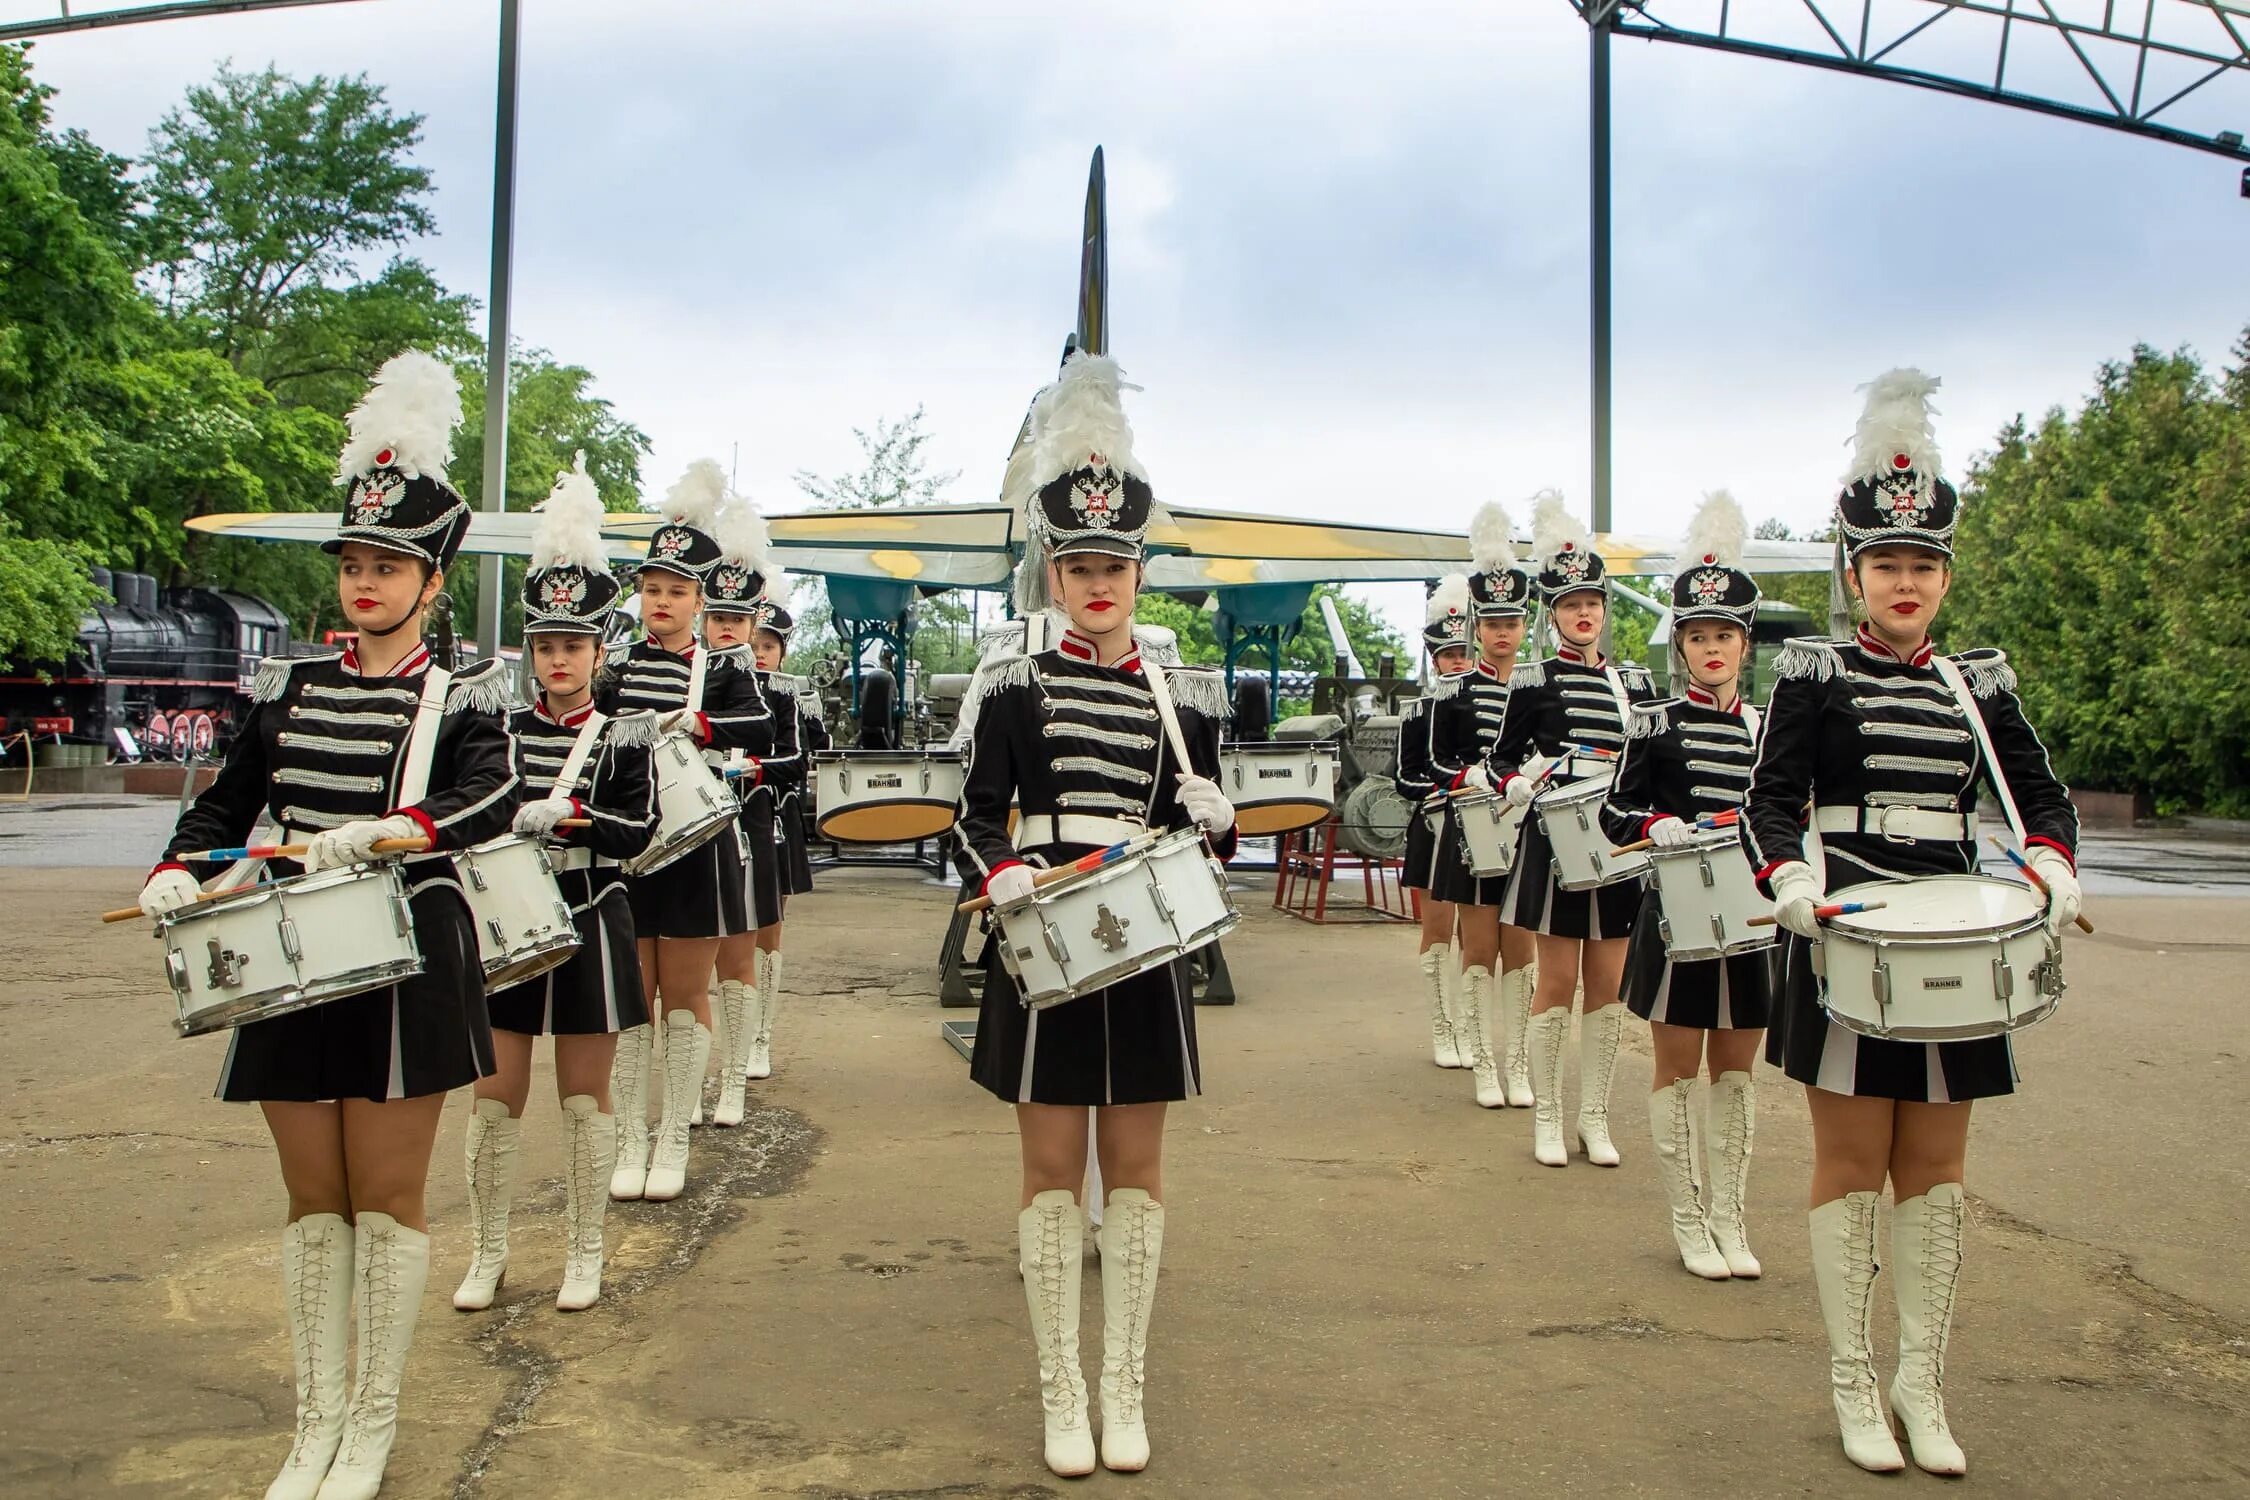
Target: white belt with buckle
x=1901, y=825
x=1034, y=830
x=570, y=859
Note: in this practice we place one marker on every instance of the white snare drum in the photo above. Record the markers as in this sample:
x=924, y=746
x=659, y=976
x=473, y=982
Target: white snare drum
x=1279, y=786
x=1095, y=928
x=279, y=947
x=693, y=804
x=523, y=923
x=885, y=796
x=1706, y=898
x=1490, y=827
x=1570, y=817
x=1949, y=958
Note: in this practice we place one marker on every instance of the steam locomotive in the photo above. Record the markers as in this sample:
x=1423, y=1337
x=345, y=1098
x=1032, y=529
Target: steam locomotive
x=149, y=664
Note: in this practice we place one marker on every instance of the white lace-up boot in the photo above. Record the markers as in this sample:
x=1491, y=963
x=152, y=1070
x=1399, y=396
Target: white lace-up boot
x=1049, y=1241
x=1476, y=1031
x=737, y=1001
x=763, y=1006
x=1550, y=1034
x=489, y=1152
x=687, y=1054
x=1132, y=1247
x=391, y=1265
x=1444, y=1050
x=1671, y=1124
x=589, y=1149
x=1843, y=1251
x=1599, y=1032
x=1732, y=1117
x=316, y=1289
x=1515, y=1033
x=1926, y=1236
x=628, y=1095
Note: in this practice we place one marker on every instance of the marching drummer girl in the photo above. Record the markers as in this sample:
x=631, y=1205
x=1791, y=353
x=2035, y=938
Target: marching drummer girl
x=1689, y=757
x=1467, y=717
x=770, y=643
x=682, y=910
x=1573, y=702
x=731, y=595
x=343, y=752
x=580, y=765
x=1888, y=741
x=1445, y=634
x=1085, y=735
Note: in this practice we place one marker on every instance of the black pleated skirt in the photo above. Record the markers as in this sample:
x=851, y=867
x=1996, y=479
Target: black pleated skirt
x=1450, y=879
x=1420, y=864
x=1130, y=1043
x=1805, y=1044
x=425, y=1035
x=599, y=989
x=1716, y=994
x=762, y=854
x=1536, y=903
x=702, y=894
x=796, y=864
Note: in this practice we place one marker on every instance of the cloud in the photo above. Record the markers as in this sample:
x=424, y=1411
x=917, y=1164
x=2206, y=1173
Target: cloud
x=1348, y=244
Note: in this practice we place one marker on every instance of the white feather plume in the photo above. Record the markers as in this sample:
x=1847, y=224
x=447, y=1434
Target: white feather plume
x=1451, y=594
x=1492, y=546
x=779, y=589
x=1896, y=420
x=1552, y=526
x=569, y=529
x=411, y=409
x=1716, y=534
x=693, y=499
x=741, y=534
x=1081, y=414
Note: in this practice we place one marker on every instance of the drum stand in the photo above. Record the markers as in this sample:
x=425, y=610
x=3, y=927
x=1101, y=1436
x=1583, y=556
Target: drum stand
x=1306, y=864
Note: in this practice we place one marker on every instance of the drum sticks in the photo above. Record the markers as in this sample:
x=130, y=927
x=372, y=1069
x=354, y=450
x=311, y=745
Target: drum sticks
x=1823, y=913
x=1093, y=861
x=1715, y=820
x=2037, y=884
x=292, y=851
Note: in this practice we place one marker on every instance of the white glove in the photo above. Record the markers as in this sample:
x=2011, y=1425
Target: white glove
x=1206, y=804
x=683, y=720
x=1477, y=778
x=1795, y=894
x=167, y=891
x=354, y=843
x=539, y=818
x=1520, y=789
x=2064, y=898
x=1670, y=833
x=1011, y=885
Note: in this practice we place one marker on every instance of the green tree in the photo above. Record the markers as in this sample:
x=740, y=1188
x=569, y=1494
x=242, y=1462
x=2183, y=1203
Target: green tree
x=262, y=188
x=893, y=471
x=552, y=415
x=68, y=310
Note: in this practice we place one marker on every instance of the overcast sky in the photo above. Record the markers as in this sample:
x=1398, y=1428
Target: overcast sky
x=1348, y=240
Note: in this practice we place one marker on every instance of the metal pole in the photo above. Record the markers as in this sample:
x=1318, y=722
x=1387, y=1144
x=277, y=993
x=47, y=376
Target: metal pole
x=496, y=326
x=1600, y=18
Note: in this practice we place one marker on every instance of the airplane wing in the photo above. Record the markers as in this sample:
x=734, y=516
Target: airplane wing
x=498, y=534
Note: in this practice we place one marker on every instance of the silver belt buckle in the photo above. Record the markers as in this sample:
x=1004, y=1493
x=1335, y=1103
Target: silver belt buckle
x=1883, y=826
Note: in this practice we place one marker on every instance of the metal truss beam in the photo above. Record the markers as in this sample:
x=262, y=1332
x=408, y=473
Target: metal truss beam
x=2203, y=46
x=94, y=19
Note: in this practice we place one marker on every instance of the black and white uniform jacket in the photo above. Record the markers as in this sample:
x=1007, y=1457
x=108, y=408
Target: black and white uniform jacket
x=734, y=715
x=323, y=746
x=1080, y=749
x=1562, y=702
x=1452, y=727
x=615, y=791
x=780, y=772
x=1881, y=750
x=1685, y=758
